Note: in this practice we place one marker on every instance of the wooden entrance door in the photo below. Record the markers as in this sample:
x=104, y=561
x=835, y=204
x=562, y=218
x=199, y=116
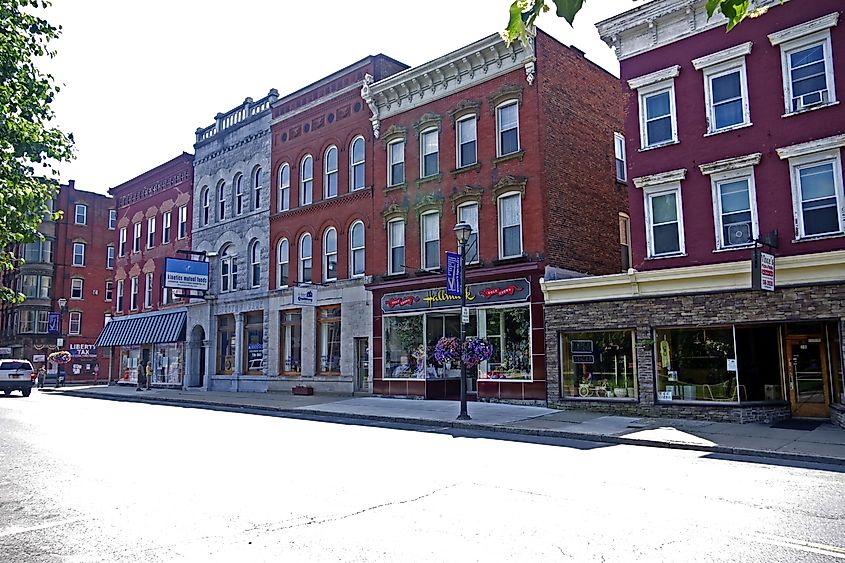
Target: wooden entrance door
x=809, y=382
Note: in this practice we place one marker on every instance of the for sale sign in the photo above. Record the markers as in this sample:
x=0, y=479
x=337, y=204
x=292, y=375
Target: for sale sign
x=763, y=271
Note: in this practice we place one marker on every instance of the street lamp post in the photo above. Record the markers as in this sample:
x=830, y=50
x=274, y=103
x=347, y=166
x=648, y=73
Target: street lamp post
x=62, y=310
x=462, y=232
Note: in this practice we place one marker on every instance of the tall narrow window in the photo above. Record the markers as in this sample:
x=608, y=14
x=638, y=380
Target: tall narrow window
x=119, y=305
x=74, y=325
x=507, y=124
x=305, y=258
x=136, y=238
x=110, y=257
x=396, y=246
x=79, y=254
x=430, y=235
x=183, y=222
x=283, y=201
x=291, y=345
x=625, y=241
x=306, y=180
x=396, y=163
x=221, y=201
x=121, y=249
x=165, y=227
x=356, y=249
x=656, y=91
x=734, y=211
x=429, y=153
x=330, y=173
x=109, y=294
x=148, y=290
x=256, y=189
x=820, y=195
x=81, y=214
x=133, y=294
x=112, y=219
x=468, y=213
x=356, y=164
x=510, y=225
x=239, y=194
x=619, y=153
x=76, y=291
x=330, y=255
x=228, y=270
x=151, y=232
x=664, y=227
x=255, y=264
x=467, y=141
x=328, y=327
x=727, y=105
x=204, y=203
x=282, y=263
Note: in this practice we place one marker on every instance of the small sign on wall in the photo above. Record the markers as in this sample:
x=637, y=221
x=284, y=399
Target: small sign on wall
x=763, y=271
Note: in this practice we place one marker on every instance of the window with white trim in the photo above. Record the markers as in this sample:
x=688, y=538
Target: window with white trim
x=468, y=213
x=112, y=219
x=330, y=173
x=507, y=128
x=357, y=158
x=133, y=294
x=256, y=189
x=664, y=220
x=183, y=222
x=305, y=258
x=165, y=227
x=109, y=293
x=110, y=257
x=818, y=194
x=396, y=163
x=619, y=153
x=735, y=209
x=306, y=180
x=221, y=201
x=121, y=247
x=239, y=194
x=467, y=141
x=255, y=264
x=510, y=225
x=78, y=254
x=151, y=232
x=76, y=291
x=119, y=305
x=74, y=325
x=136, y=238
x=80, y=214
x=204, y=204
x=282, y=263
x=148, y=290
x=657, y=115
x=625, y=241
x=725, y=88
x=430, y=238
x=356, y=249
x=429, y=153
x=330, y=254
x=283, y=199
x=228, y=270
x=396, y=246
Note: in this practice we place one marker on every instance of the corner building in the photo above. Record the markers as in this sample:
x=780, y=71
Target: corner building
x=321, y=229
x=736, y=142
x=499, y=137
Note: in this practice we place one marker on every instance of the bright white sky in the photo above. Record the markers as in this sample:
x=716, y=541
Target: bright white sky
x=140, y=77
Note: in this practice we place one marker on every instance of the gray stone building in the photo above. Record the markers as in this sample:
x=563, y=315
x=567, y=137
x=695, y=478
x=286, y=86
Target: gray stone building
x=227, y=332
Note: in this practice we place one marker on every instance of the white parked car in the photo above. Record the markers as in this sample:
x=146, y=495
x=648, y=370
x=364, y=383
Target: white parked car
x=16, y=375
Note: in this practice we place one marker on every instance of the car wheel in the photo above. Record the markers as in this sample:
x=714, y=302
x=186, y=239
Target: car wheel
x=7, y=392
x=26, y=392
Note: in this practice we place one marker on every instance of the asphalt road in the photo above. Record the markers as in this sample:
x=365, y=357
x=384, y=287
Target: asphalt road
x=90, y=480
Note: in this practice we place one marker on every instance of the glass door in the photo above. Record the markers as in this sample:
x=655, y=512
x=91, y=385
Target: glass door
x=809, y=391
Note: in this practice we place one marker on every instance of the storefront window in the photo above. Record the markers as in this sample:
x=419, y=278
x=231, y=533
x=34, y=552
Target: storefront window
x=598, y=365
x=225, y=344
x=328, y=327
x=291, y=345
x=436, y=327
x=835, y=356
x=508, y=330
x=254, y=343
x=130, y=358
x=168, y=364
x=402, y=337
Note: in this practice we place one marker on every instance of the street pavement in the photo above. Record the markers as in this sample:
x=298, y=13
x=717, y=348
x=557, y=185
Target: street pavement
x=824, y=444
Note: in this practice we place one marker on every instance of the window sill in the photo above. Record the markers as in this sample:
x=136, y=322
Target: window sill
x=667, y=256
x=728, y=129
x=621, y=182
x=511, y=259
x=429, y=179
x=504, y=158
x=818, y=237
x=734, y=248
x=395, y=276
x=660, y=146
x=811, y=108
x=469, y=168
x=403, y=186
x=428, y=271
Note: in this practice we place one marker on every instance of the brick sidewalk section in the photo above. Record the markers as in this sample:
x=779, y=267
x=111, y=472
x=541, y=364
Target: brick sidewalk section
x=824, y=444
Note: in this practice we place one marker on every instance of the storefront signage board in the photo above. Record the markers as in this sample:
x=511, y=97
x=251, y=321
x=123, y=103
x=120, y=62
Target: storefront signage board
x=83, y=350
x=477, y=295
x=54, y=323
x=185, y=274
x=763, y=271
x=305, y=296
x=453, y=274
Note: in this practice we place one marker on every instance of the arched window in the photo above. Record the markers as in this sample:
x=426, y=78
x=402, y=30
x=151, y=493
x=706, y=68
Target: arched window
x=204, y=203
x=221, y=201
x=256, y=189
x=356, y=249
x=282, y=260
x=330, y=254
x=306, y=180
x=283, y=202
x=254, y=264
x=356, y=164
x=228, y=269
x=239, y=194
x=330, y=173
x=305, y=257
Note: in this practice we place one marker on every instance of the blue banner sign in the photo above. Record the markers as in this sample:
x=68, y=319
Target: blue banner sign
x=54, y=323
x=453, y=274
x=185, y=274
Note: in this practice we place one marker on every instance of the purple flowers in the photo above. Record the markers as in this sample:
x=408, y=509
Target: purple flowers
x=476, y=350
x=447, y=350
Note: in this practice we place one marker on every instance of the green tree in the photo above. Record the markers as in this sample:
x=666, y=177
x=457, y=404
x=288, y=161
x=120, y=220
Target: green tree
x=29, y=145
x=523, y=13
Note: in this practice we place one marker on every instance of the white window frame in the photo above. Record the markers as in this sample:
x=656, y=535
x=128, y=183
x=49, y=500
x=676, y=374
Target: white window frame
x=256, y=189
x=423, y=258
x=119, y=296
x=423, y=134
x=475, y=228
x=353, y=249
x=391, y=267
x=183, y=223
x=255, y=264
x=306, y=183
x=110, y=257
x=205, y=207
x=239, y=194
x=77, y=290
x=459, y=124
x=221, y=201
x=716, y=181
x=327, y=254
x=716, y=65
x=165, y=227
x=815, y=159
x=659, y=88
x=228, y=278
x=133, y=293
x=353, y=164
x=656, y=190
x=136, y=237
x=148, y=290
x=303, y=257
x=282, y=259
x=800, y=37
x=283, y=195
x=619, y=156
x=330, y=174
x=501, y=226
x=151, y=232
x=499, y=131
x=112, y=219
x=74, y=323
x=80, y=209
x=121, y=249
x=391, y=181
x=79, y=246
x=109, y=291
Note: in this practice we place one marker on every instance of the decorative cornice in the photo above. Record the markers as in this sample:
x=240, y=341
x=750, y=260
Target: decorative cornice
x=800, y=30
x=393, y=133
x=505, y=93
x=426, y=121
x=430, y=202
x=464, y=108
x=733, y=163
x=467, y=194
x=810, y=147
x=654, y=77
x=722, y=56
x=507, y=184
x=662, y=178
x=394, y=211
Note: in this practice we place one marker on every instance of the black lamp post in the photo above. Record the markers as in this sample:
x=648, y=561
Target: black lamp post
x=66, y=345
x=462, y=232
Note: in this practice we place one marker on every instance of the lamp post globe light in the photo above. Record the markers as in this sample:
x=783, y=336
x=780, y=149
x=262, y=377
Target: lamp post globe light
x=462, y=232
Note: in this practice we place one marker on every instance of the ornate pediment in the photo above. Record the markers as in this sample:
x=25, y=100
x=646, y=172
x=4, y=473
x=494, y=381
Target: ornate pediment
x=465, y=195
x=429, y=202
x=504, y=94
x=428, y=120
x=509, y=184
x=394, y=211
x=393, y=133
x=464, y=108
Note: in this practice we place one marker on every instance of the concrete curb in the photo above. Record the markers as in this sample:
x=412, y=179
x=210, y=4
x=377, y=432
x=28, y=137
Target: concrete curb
x=460, y=425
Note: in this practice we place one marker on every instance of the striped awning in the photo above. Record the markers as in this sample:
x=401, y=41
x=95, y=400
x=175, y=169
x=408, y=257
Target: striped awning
x=151, y=328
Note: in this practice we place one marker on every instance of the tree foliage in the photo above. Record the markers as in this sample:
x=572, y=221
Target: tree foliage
x=29, y=145
x=523, y=13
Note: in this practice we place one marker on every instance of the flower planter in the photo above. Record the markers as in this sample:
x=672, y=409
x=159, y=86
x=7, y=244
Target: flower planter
x=302, y=390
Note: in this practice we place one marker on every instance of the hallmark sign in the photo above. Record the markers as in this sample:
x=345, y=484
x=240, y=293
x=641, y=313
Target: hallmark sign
x=477, y=295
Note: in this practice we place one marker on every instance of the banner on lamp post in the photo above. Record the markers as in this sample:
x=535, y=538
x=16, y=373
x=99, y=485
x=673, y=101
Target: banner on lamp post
x=453, y=274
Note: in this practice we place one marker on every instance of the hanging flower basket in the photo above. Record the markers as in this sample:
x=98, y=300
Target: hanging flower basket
x=60, y=357
x=476, y=350
x=447, y=350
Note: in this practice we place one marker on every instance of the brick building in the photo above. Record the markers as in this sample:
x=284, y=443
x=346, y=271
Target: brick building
x=153, y=222
x=734, y=140
x=519, y=143
x=64, y=274
x=321, y=225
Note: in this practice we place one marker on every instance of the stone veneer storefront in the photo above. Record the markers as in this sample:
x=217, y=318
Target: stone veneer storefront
x=727, y=355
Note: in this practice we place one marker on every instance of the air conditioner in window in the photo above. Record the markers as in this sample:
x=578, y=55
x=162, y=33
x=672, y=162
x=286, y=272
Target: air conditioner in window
x=738, y=233
x=810, y=100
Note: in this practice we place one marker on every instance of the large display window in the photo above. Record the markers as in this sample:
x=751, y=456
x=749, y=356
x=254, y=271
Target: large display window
x=328, y=335
x=254, y=343
x=509, y=331
x=403, y=337
x=168, y=364
x=598, y=365
x=130, y=360
x=226, y=344
x=291, y=344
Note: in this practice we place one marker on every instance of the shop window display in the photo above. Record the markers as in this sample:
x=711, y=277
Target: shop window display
x=130, y=359
x=402, y=337
x=599, y=365
x=328, y=321
x=168, y=364
x=226, y=344
x=291, y=333
x=254, y=342
x=508, y=330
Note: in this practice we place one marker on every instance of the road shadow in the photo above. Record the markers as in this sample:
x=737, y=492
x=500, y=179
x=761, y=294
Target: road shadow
x=780, y=462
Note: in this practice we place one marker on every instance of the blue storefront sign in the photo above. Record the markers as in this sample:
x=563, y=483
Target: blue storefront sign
x=54, y=323
x=185, y=274
x=453, y=274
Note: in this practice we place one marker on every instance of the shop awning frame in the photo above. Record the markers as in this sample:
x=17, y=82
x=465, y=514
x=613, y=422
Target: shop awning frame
x=148, y=328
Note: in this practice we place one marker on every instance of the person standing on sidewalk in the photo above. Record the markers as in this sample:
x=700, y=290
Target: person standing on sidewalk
x=141, y=376
x=40, y=376
x=149, y=374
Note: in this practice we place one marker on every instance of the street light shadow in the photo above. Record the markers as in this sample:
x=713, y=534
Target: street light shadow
x=780, y=462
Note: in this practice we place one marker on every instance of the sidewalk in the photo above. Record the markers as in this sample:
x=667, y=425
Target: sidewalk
x=825, y=444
